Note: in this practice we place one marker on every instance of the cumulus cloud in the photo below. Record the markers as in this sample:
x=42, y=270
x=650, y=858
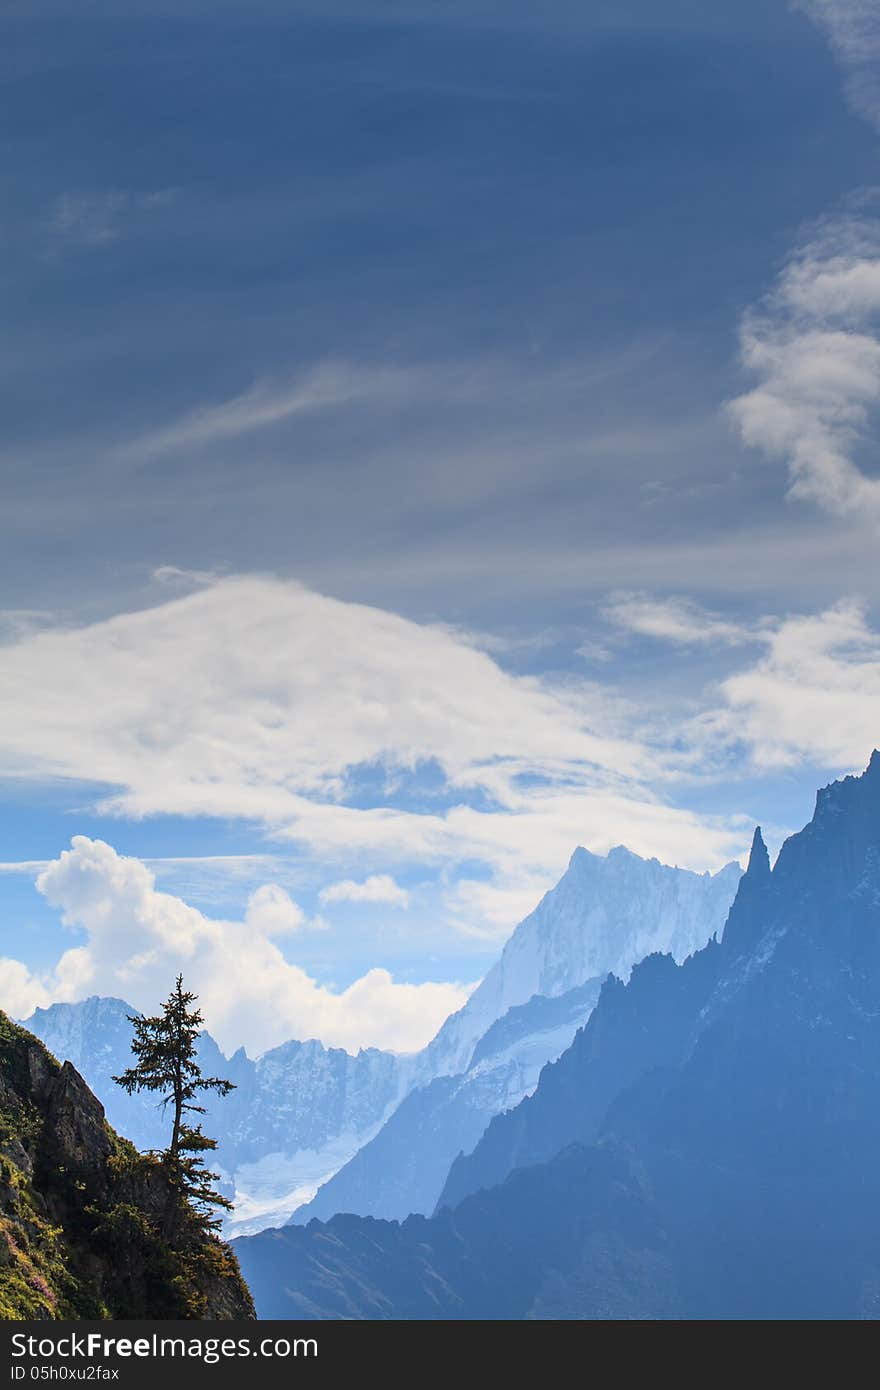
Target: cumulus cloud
x=377, y=888
x=137, y=939
x=815, y=349
x=271, y=911
x=21, y=991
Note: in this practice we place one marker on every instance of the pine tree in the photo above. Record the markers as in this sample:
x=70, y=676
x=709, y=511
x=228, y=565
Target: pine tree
x=165, y=1049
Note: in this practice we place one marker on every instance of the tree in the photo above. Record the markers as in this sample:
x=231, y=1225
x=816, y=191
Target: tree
x=165, y=1049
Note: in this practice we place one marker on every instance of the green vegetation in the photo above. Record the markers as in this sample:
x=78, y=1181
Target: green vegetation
x=165, y=1052
x=83, y=1215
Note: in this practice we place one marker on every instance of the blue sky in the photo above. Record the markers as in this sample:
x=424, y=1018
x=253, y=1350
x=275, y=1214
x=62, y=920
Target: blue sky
x=435, y=436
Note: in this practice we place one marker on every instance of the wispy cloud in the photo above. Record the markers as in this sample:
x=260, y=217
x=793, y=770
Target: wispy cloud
x=815, y=348
x=854, y=29
x=676, y=620
x=813, y=695
x=269, y=403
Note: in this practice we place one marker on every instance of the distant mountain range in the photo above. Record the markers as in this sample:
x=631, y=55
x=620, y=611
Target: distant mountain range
x=376, y=1132
x=297, y=1114
x=403, y=1169
x=707, y=1147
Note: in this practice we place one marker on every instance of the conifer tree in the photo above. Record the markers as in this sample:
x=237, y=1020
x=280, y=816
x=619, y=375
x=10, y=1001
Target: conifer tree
x=165, y=1052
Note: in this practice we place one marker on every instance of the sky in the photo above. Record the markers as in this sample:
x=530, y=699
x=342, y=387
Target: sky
x=436, y=436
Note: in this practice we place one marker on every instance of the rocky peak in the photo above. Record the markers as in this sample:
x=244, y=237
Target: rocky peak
x=758, y=869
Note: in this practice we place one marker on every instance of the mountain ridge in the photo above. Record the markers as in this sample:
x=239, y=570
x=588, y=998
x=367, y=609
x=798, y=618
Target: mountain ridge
x=302, y=1112
x=738, y=1091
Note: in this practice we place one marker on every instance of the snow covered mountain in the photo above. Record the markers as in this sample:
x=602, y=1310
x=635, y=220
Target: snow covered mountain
x=298, y=1113
x=707, y=1149
x=605, y=914
x=302, y=1112
x=403, y=1169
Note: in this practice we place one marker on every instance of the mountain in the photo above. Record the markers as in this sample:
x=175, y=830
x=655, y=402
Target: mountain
x=511, y=1253
x=403, y=1169
x=708, y=1147
x=601, y=916
x=302, y=1112
x=95, y=1036
x=297, y=1114
x=605, y=913
x=80, y=1209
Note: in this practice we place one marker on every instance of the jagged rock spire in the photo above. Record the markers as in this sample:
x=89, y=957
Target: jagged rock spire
x=745, y=921
x=759, y=859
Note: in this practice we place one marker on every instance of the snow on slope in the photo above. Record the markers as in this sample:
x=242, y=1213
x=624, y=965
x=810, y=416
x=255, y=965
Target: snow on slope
x=604, y=915
x=301, y=1112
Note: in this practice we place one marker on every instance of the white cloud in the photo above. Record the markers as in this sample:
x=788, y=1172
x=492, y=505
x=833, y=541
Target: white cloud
x=814, y=695
x=137, y=939
x=673, y=620
x=377, y=888
x=854, y=29
x=815, y=349
x=246, y=696
x=257, y=699
x=271, y=402
x=271, y=911
x=20, y=991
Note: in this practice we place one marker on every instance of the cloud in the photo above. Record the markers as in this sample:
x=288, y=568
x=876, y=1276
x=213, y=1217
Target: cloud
x=20, y=991
x=853, y=27
x=271, y=911
x=257, y=699
x=815, y=349
x=378, y=888
x=676, y=620
x=250, y=694
x=138, y=938
x=814, y=695
x=269, y=403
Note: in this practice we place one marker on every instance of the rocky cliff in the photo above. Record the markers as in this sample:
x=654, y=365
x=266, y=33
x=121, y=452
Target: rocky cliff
x=80, y=1209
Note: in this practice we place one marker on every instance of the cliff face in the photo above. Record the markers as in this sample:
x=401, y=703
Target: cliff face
x=80, y=1208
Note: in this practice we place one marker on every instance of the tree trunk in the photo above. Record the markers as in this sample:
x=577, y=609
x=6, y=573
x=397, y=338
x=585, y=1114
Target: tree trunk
x=174, y=1188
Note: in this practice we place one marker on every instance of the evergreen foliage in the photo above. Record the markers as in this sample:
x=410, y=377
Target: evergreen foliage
x=165, y=1050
